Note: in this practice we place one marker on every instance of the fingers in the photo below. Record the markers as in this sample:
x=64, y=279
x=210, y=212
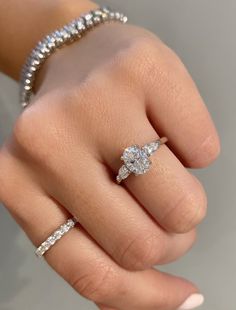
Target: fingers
x=125, y=231
x=113, y=217
x=81, y=262
x=97, y=278
x=177, y=111
x=168, y=191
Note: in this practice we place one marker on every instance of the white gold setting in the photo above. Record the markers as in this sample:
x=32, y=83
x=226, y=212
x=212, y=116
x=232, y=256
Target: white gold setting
x=136, y=159
x=55, y=236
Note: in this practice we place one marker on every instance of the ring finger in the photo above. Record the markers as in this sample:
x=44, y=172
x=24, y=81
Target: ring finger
x=168, y=191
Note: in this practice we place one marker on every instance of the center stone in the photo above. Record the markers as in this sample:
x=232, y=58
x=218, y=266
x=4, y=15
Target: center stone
x=136, y=159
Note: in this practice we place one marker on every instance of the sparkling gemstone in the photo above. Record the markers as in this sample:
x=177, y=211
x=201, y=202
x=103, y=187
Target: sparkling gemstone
x=123, y=172
x=98, y=12
x=65, y=35
x=35, y=62
x=51, y=240
x=136, y=159
x=71, y=223
x=45, y=246
x=151, y=148
x=57, y=234
x=40, y=251
x=50, y=42
x=106, y=9
x=111, y=15
x=80, y=25
x=68, y=226
x=27, y=82
x=28, y=75
x=72, y=30
x=64, y=229
x=43, y=48
x=124, y=19
x=39, y=55
x=96, y=20
x=117, y=15
x=104, y=16
x=88, y=17
x=58, y=38
x=27, y=87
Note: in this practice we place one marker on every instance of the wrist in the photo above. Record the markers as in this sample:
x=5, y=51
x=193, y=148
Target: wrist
x=29, y=23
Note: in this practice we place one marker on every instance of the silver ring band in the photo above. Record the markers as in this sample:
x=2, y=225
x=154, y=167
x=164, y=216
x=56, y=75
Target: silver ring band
x=136, y=159
x=55, y=236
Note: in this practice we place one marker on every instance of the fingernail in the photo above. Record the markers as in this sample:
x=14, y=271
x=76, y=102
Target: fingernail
x=192, y=302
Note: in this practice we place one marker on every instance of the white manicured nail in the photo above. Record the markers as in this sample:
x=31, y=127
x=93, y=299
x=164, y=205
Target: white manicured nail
x=192, y=302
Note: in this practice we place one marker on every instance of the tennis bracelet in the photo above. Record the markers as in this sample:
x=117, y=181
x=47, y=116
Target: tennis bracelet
x=71, y=32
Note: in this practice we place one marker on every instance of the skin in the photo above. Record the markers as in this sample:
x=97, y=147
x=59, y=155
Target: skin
x=118, y=86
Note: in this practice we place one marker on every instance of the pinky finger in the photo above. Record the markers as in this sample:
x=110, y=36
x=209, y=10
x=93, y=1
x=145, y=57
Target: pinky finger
x=94, y=275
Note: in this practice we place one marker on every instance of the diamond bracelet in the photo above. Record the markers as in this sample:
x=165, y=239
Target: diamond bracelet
x=71, y=32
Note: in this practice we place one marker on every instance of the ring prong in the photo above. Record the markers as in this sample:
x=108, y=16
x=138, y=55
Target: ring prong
x=122, y=158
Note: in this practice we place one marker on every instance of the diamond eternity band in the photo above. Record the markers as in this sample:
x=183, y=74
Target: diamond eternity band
x=55, y=236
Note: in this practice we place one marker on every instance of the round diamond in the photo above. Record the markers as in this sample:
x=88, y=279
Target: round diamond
x=136, y=159
x=57, y=235
x=45, y=246
x=51, y=240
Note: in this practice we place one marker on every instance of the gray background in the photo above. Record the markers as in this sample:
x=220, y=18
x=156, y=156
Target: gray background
x=202, y=32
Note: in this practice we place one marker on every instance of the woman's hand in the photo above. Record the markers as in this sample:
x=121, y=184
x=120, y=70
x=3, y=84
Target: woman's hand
x=118, y=86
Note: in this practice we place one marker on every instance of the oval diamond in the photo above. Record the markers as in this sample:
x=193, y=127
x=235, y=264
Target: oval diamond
x=136, y=160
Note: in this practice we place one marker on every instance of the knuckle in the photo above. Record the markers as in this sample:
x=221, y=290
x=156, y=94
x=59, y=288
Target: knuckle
x=147, y=61
x=187, y=213
x=97, y=285
x=153, y=59
x=91, y=95
x=36, y=132
x=140, y=58
x=26, y=132
x=142, y=252
x=145, y=52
